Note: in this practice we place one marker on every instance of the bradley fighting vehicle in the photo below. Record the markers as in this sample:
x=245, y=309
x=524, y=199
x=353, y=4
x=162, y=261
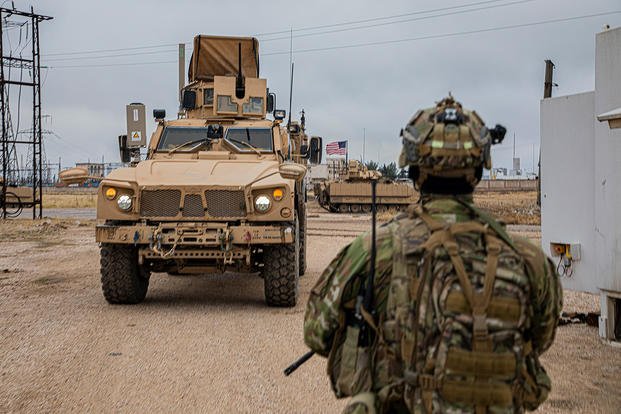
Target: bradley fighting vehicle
x=352, y=192
x=221, y=187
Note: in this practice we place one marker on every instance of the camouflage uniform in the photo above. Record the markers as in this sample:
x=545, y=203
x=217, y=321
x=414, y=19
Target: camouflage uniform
x=462, y=313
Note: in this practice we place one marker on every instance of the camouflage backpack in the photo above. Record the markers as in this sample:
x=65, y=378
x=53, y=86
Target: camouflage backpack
x=454, y=337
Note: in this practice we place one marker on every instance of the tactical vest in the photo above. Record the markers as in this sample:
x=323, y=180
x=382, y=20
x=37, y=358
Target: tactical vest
x=454, y=336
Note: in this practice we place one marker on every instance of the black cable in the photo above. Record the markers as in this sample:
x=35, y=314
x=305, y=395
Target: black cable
x=453, y=34
x=429, y=37
x=402, y=21
x=374, y=19
x=88, y=52
x=284, y=31
x=110, y=56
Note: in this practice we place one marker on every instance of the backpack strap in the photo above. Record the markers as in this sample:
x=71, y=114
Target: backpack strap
x=493, y=224
x=479, y=303
x=443, y=234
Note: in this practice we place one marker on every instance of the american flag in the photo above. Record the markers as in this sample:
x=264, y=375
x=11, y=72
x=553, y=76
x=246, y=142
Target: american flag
x=336, y=148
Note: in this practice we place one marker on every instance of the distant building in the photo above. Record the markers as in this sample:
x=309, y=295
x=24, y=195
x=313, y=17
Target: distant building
x=96, y=169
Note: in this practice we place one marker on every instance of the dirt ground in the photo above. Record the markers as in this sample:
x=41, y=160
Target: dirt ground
x=202, y=343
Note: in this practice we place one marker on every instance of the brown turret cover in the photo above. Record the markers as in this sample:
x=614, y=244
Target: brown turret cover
x=218, y=56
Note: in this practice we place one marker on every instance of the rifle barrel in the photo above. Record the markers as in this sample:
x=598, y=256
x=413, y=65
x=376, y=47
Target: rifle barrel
x=291, y=368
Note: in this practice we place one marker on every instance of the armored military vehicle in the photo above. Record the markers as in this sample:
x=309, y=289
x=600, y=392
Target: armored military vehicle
x=221, y=187
x=352, y=192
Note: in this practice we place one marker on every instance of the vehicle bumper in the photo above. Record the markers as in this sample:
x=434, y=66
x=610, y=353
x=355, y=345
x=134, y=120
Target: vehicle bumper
x=196, y=234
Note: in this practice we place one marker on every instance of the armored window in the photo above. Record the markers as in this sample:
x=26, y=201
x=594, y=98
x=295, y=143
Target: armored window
x=259, y=138
x=254, y=107
x=226, y=105
x=175, y=136
x=208, y=97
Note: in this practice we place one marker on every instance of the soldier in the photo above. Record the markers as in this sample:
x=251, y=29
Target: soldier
x=461, y=311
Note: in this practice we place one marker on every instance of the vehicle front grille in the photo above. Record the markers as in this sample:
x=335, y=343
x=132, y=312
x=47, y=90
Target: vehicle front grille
x=193, y=206
x=225, y=203
x=160, y=203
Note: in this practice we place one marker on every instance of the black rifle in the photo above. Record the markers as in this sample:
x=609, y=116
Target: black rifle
x=365, y=294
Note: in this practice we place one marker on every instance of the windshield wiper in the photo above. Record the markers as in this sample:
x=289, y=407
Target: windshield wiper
x=252, y=147
x=185, y=144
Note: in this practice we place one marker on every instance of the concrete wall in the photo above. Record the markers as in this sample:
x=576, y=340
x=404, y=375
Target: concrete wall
x=608, y=161
x=567, y=171
x=581, y=173
x=507, y=185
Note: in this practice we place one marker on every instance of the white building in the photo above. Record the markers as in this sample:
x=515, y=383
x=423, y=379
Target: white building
x=581, y=184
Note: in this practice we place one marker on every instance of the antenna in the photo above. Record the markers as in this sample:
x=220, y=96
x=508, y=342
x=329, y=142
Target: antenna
x=240, y=90
x=291, y=78
x=290, y=94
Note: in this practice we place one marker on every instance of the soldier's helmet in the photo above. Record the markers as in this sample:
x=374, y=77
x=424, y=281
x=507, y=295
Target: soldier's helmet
x=448, y=141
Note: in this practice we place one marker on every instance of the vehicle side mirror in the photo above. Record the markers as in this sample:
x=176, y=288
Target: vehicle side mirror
x=304, y=151
x=159, y=113
x=279, y=114
x=215, y=131
x=292, y=171
x=189, y=99
x=123, y=150
x=316, y=150
x=76, y=175
x=271, y=102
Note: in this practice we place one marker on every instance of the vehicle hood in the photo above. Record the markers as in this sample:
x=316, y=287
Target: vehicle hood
x=225, y=173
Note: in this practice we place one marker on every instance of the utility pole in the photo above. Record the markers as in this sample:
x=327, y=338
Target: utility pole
x=548, y=83
x=31, y=63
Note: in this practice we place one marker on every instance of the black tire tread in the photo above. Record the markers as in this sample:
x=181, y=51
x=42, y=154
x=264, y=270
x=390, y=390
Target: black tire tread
x=123, y=281
x=281, y=274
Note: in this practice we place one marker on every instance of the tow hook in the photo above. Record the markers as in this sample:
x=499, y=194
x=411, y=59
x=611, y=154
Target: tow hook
x=226, y=243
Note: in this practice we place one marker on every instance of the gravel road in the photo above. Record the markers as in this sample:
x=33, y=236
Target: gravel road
x=199, y=343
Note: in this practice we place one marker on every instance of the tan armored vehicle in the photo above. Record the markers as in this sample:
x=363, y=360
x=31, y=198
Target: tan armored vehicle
x=352, y=192
x=221, y=188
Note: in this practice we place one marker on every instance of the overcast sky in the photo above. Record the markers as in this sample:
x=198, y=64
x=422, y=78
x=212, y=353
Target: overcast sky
x=498, y=73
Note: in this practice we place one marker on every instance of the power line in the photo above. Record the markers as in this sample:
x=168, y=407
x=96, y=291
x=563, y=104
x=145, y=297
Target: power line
x=374, y=19
x=404, y=20
x=111, y=56
x=85, y=52
x=394, y=41
x=115, y=64
x=444, y=35
x=286, y=31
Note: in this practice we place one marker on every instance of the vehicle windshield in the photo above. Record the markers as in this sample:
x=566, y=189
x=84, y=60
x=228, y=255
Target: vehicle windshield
x=175, y=136
x=259, y=138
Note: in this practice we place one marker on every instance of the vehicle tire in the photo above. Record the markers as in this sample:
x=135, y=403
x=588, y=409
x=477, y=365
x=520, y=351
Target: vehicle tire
x=366, y=208
x=355, y=208
x=302, y=237
x=343, y=208
x=123, y=280
x=281, y=272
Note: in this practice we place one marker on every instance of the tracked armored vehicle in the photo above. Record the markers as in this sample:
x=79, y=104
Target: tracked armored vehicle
x=221, y=187
x=351, y=193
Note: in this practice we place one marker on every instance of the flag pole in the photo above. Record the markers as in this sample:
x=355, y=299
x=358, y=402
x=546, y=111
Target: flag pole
x=346, y=152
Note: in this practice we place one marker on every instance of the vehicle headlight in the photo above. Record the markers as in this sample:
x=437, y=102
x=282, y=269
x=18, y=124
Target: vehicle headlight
x=110, y=193
x=262, y=203
x=278, y=194
x=124, y=202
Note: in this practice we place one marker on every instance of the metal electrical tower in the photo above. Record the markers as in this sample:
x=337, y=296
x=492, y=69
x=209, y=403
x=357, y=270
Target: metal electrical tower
x=8, y=139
